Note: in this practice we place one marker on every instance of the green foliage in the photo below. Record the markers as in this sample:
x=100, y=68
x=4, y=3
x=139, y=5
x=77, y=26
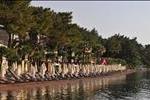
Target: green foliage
x=113, y=46
x=12, y=56
x=3, y=51
x=16, y=18
x=24, y=49
x=146, y=55
x=42, y=30
x=119, y=46
x=116, y=61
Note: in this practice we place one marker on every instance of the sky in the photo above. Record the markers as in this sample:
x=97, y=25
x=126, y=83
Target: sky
x=129, y=18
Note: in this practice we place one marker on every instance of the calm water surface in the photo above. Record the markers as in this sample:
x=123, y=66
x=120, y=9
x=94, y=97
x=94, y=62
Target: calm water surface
x=124, y=87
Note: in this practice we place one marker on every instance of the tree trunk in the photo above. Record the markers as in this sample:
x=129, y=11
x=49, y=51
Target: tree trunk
x=9, y=39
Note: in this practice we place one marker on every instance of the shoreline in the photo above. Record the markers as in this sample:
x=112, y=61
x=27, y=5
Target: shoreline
x=29, y=85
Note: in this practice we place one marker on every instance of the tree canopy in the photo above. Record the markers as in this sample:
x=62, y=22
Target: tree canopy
x=44, y=33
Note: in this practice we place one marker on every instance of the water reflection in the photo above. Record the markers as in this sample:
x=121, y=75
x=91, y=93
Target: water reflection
x=131, y=87
x=81, y=89
x=137, y=87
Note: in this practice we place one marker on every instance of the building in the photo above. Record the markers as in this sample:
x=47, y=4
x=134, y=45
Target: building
x=4, y=37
